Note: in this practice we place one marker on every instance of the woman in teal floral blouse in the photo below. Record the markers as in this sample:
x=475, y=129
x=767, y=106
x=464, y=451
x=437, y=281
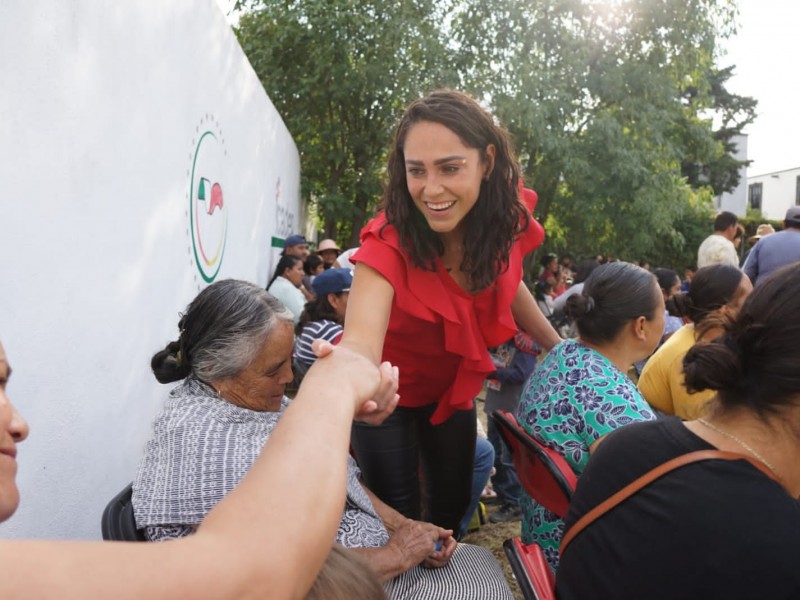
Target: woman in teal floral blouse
x=580, y=391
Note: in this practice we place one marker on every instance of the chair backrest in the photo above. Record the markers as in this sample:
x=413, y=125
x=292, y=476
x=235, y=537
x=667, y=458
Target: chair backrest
x=542, y=472
x=535, y=578
x=118, y=522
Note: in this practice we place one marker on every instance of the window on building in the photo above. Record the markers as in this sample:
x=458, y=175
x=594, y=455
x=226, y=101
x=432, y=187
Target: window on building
x=797, y=192
x=755, y=191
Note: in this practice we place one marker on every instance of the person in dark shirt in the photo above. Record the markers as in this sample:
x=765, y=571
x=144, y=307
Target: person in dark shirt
x=716, y=528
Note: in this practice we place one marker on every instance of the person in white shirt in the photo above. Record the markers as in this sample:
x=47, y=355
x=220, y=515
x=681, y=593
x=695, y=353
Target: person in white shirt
x=285, y=285
x=718, y=248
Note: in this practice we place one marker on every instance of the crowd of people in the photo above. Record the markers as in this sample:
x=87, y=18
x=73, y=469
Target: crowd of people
x=361, y=485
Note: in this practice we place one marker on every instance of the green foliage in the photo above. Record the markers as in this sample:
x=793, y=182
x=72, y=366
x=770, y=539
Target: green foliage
x=606, y=102
x=711, y=161
x=611, y=105
x=339, y=72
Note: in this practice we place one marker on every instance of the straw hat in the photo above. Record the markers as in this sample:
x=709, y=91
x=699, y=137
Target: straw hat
x=328, y=245
x=763, y=230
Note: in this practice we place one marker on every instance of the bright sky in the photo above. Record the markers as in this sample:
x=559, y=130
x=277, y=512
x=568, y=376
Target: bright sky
x=766, y=52
x=767, y=57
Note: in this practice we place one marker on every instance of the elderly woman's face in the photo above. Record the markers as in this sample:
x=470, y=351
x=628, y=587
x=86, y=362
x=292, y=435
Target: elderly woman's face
x=260, y=385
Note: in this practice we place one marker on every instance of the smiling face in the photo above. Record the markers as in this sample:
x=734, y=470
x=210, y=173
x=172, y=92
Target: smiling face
x=443, y=175
x=260, y=385
x=13, y=430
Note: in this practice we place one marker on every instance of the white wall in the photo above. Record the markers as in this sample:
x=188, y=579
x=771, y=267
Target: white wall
x=102, y=108
x=778, y=192
x=736, y=201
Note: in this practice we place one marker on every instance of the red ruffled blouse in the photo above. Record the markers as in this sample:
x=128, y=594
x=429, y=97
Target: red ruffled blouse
x=438, y=334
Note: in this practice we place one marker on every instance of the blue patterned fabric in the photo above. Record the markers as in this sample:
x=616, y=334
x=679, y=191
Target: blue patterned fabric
x=574, y=397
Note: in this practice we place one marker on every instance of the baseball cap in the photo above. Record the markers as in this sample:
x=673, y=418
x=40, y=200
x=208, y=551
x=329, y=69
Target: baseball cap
x=793, y=214
x=294, y=240
x=332, y=281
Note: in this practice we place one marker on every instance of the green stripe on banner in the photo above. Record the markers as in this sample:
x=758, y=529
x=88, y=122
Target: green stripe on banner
x=277, y=242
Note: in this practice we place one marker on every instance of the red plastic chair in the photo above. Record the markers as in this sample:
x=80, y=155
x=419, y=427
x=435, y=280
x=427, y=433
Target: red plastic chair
x=533, y=574
x=548, y=479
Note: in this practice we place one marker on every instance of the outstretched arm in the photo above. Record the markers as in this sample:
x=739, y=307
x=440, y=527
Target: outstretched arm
x=531, y=320
x=254, y=543
x=368, y=310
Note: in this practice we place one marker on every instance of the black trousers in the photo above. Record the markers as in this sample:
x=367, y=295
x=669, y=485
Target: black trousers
x=393, y=454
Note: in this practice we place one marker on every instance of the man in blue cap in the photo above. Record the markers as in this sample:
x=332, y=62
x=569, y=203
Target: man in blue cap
x=296, y=245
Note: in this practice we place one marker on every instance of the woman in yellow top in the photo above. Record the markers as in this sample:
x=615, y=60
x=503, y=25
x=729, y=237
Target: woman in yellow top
x=716, y=295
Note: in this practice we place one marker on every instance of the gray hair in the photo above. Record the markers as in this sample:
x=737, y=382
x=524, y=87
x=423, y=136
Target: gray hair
x=223, y=330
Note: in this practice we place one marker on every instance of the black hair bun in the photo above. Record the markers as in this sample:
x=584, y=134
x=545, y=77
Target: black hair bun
x=169, y=364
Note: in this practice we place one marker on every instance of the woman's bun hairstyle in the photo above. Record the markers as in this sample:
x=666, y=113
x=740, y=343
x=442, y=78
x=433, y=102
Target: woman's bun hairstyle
x=169, y=364
x=221, y=332
x=711, y=366
x=613, y=295
x=754, y=364
x=578, y=305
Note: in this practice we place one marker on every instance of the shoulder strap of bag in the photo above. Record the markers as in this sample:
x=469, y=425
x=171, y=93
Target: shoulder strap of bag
x=646, y=479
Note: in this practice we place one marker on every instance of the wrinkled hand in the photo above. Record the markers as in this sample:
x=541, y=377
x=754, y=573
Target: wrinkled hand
x=413, y=542
x=377, y=385
x=440, y=558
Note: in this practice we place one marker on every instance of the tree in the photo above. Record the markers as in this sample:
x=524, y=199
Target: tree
x=339, y=72
x=611, y=104
x=719, y=168
x=597, y=97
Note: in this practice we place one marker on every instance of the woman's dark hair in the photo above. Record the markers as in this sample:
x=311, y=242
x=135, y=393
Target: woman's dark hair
x=711, y=288
x=584, y=269
x=613, y=295
x=287, y=261
x=754, y=364
x=666, y=278
x=547, y=259
x=318, y=309
x=221, y=333
x=498, y=217
x=313, y=261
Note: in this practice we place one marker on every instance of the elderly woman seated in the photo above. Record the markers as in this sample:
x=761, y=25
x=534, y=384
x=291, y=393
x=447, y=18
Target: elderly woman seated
x=234, y=355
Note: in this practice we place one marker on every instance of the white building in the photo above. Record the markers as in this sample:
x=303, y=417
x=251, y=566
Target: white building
x=736, y=200
x=773, y=193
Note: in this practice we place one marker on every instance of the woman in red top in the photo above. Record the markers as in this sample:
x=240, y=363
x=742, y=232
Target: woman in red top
x=438, y=280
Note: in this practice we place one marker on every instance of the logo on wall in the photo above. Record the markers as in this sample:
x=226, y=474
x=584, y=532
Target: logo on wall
x=208, y=208
x=284, y=217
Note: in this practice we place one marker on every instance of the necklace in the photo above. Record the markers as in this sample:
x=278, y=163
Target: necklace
x=738, y=441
